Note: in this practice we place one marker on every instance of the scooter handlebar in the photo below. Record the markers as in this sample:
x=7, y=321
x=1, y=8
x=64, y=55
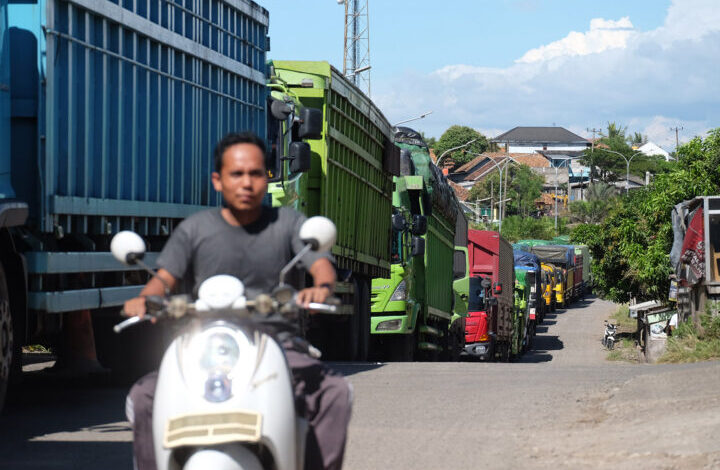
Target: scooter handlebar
x=129, y=322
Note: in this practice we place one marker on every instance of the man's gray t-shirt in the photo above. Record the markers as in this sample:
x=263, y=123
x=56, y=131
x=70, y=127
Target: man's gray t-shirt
x=205, y=244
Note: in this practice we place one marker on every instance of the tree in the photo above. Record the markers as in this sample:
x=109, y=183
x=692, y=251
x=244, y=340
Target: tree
x=524, y=187
x=631, y=246
x=599, y=198
x=456, y=136
x=430, y=141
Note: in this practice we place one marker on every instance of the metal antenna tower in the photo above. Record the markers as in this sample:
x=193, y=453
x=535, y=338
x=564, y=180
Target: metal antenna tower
x=356, y=57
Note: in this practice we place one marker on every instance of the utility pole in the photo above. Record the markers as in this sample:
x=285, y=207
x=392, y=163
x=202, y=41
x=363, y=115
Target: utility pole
x=677, y=139
x=356, y=55
x=592, y=147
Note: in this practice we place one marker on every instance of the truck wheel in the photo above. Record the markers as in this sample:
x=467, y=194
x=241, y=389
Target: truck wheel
x=401, y=348
x=358, y=339
x=10, y=347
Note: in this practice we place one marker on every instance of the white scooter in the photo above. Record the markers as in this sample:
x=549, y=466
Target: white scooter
x=224, y=397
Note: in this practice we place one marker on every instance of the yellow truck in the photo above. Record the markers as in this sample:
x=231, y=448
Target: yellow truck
x=550, y=283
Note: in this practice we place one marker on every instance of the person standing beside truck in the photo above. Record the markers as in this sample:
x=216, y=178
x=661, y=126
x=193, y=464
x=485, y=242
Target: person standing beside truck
x=253, y=243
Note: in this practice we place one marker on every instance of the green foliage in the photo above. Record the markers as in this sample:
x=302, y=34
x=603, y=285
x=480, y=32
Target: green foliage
x=524, y=187
x=516, y=228
x=456, y=136
x=599, y=199
x=631, y=246
x=430, y=141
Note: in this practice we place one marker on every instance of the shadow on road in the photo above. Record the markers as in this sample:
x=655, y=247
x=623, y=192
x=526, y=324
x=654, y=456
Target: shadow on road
x=352, y=368
x=542, y=345
x=54, y=424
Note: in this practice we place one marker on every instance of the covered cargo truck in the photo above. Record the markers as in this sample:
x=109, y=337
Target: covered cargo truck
x=412, y=310
x=489, y=326
x=584, y=251
x=537, y=281
x=347, y=176
x=563, y=257
x=109, y=113
x=550, y=286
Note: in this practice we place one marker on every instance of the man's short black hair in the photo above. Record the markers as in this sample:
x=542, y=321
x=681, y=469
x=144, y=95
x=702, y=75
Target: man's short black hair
x=234, y=138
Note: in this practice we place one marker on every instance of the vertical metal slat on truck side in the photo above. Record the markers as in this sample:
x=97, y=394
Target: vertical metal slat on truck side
x=92, y=51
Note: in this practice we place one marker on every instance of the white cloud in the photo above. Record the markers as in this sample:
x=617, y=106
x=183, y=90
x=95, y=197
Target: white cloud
x=603, y=35
x=649, y=81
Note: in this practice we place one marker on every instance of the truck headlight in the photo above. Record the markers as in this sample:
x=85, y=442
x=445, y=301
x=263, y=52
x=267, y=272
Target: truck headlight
x=400, y=292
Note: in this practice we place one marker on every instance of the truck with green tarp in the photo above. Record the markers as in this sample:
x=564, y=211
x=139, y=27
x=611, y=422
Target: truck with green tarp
x=413, y=310
x=346, y=174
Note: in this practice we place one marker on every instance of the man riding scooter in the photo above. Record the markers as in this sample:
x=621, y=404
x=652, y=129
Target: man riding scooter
x=253, y=243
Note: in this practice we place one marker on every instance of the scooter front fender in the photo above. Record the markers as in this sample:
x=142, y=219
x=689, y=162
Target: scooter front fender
x=230, y=457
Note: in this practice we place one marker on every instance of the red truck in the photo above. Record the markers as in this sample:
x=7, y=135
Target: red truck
x=488, y=329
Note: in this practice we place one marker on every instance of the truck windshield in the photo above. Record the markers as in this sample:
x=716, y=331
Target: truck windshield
x=397, y=254
x=476, y=302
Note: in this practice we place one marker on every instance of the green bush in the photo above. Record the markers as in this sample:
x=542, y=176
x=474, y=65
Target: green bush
x=631, y=246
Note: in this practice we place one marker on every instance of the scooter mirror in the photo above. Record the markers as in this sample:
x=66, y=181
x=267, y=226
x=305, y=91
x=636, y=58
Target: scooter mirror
x=319, y=232
x=127, y=247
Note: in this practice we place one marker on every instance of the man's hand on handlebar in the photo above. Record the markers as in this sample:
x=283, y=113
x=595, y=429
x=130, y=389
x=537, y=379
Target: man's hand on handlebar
x=135, y=307
x=313, y=295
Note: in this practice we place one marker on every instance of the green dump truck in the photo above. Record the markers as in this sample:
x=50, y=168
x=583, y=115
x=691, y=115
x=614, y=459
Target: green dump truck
x=413, y=310
x=522, y=329
x=346, y=174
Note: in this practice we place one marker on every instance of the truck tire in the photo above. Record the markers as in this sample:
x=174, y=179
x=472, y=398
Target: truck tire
x=455, y=342
x=10, y=347
x=358, y=331
x=401, y=348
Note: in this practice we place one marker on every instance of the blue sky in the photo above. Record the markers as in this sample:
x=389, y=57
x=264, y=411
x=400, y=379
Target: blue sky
x=494, y=65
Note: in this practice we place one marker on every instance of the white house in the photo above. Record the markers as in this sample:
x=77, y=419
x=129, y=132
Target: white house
x=650, y=149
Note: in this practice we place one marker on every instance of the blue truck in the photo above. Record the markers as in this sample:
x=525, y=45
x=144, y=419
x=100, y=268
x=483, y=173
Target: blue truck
x=109, y=112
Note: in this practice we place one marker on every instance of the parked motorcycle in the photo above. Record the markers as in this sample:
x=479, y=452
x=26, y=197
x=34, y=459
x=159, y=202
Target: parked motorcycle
x=609, y=338
x=224, y=398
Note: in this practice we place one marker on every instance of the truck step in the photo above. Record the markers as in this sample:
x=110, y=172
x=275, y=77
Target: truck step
x=429, y=346
x=429, y=330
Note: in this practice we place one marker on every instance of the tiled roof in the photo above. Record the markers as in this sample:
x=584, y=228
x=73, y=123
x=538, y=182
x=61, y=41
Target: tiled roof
x=532, y=160
x=461, y=193
x=544, y=135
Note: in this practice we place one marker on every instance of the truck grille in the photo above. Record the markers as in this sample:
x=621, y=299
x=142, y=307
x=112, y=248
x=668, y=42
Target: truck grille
x=213, y=428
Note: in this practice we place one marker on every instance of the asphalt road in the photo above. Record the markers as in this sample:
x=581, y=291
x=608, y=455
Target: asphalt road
x=562, y=406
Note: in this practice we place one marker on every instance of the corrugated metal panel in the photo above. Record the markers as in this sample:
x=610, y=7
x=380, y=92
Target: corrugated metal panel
x=353, y=189
x=439, y=250
x=138, y=93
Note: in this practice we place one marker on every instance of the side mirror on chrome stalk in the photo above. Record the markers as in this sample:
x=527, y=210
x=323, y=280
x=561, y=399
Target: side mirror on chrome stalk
x=319, y=234
x=129, y=248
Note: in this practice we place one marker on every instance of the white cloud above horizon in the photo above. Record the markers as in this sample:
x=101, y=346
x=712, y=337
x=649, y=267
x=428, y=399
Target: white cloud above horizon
x=649, y=81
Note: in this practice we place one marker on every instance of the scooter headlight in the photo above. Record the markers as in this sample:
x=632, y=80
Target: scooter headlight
x=220, y=352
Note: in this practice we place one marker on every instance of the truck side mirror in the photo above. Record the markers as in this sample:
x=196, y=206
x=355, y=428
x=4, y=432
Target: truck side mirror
x=398, y=222
x=418, y=247
x=498, y=288
x=279, y=110
x=419, y=225
x=311, y=123
x=300, y=157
